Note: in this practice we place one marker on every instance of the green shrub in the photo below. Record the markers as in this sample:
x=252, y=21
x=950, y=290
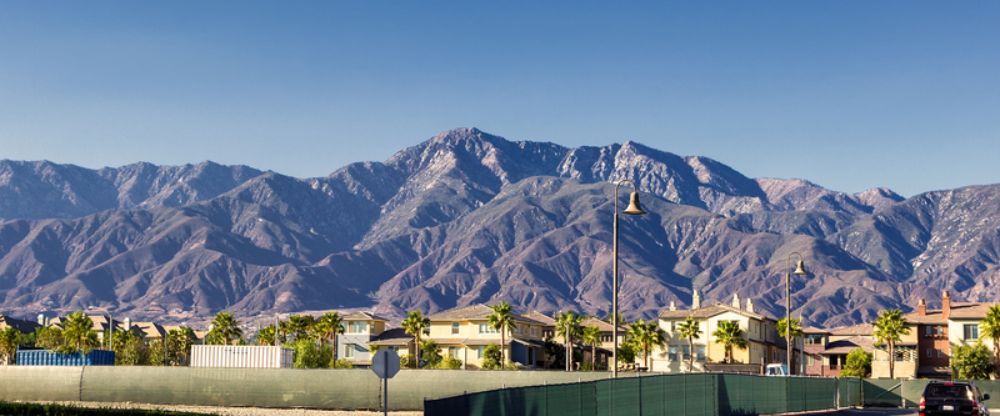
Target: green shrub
x=344, y=363
x=405, y=361
x=310, y=355
x=450, y=363
x=859, y=364
x=491, y=357
x=971, y=362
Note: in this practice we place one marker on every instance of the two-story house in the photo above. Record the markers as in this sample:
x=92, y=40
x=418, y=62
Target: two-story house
x=360, y=329
x=826, y=350
x=464, y=333
x=926, y=351
x=764, y=346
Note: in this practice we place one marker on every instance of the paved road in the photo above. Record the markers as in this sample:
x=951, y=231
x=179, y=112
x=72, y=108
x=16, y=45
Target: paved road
x=887, y=412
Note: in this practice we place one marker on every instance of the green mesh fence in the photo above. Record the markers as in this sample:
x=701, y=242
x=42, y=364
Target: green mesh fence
x=660, y=395
x=849, y=392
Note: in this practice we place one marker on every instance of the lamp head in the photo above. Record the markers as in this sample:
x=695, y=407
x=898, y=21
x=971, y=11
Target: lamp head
x=633, y=205
x=800, y=268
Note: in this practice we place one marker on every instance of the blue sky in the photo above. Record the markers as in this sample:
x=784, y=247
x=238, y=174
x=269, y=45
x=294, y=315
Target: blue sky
x=848, y=94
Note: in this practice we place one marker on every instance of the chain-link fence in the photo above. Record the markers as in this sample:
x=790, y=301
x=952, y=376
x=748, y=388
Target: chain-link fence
x=682, y=394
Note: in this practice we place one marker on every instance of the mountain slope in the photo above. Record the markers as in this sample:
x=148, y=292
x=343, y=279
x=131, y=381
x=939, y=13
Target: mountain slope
x=470, y=217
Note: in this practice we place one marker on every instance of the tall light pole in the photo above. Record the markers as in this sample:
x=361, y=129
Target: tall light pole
x=800, y=270
x=632, y=209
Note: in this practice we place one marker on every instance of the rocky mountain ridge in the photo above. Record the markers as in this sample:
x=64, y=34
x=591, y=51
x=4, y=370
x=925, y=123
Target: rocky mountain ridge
x=469, y=217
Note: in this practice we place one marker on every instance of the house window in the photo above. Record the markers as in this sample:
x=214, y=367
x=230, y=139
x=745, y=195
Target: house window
x=479, y=351
x=928, y=331
x=814, y=339
x=453, y=352
x=673, y=326
x=699, y=352
x=358, y=327
x=484, y=329
x=940, y=353
x=686, y=352
x=939, y=330
x=672, y=353
x=971, y=331
x=930, y=352
x=349, y=351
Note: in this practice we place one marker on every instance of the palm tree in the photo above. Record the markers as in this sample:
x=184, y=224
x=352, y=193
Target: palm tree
x=991, y=330
x=889, y=328
x=502, y=319
x=301, y=326
x=568, y=327
x=691, y=330
x=327, y=327
x=647, y=335
x=9, y=338
x=416, y=324
x=796, y=331
x=591, y=335
x=78, y=334
x=730, y=335
x=266, y=335
x=225, y=330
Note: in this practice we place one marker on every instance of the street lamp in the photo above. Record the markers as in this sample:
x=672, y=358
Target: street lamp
x=632, y=209
x=800, y=270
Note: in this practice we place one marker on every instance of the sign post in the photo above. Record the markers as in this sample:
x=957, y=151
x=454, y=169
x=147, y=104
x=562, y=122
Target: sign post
x=385, y=365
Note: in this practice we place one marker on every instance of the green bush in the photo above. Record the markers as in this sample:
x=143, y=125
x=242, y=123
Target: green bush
x=450, y=363
x=310, y=355
x=491, y=357
x=344, y=363
x=405, y=361
x=859, y=364
x=971, y=362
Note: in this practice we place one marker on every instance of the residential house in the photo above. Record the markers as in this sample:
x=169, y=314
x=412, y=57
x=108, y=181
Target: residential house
x=21, y=325
x=604, y=347
x=926, y=351
x=826, y=350
x=395, y=339
x=764, y=345
x=360, y=329
x=463, y=333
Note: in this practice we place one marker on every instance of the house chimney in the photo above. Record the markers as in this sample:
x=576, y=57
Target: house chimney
x=128, y=324
x=695, y=301
x=673, y=306
x=945, y=305
x=922, y=307
x=750, y=305
x=736, y=301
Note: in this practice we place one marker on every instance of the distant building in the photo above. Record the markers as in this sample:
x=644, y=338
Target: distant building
x=21, y=325
x=360, y=329
x=926, y=351
x=395, y=339
x=764, y=345
x=604, y=347
x=464, y=333
x=826, y=350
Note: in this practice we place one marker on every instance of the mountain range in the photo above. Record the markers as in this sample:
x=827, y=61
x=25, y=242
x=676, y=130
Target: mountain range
x=468, y=217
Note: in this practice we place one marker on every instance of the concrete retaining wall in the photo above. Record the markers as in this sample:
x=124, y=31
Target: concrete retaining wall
x=323, y=389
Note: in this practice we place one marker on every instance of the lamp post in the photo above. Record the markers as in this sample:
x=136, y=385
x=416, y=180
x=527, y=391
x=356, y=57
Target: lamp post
x=632, y=209
x=800, y=270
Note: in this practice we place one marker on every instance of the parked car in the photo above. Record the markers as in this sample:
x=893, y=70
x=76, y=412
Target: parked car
x=953, y=398
x=776, y=370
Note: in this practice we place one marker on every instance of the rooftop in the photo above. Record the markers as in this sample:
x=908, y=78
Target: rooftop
x=474, y=312
x=710, y=311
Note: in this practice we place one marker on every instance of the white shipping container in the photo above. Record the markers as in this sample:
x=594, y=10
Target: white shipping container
x=241, y=356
